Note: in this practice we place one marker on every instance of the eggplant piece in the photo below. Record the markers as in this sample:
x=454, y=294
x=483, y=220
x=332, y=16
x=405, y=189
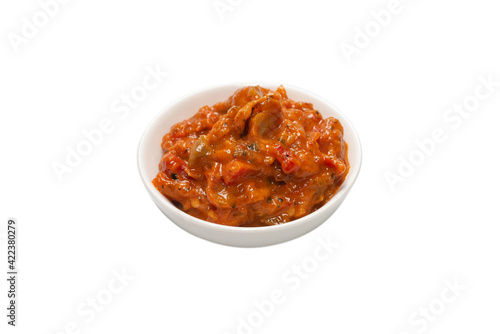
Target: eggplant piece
x=201, y=148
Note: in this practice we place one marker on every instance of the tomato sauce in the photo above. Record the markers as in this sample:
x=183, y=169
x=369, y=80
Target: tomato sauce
x=256, y=159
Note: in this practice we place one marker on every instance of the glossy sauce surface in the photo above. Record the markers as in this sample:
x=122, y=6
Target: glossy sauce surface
x=256, y=159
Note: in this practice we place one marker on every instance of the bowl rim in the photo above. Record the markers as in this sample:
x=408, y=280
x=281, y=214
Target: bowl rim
x=339, y=196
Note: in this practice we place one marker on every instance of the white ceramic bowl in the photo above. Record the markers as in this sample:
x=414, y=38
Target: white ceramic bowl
x=150, y=152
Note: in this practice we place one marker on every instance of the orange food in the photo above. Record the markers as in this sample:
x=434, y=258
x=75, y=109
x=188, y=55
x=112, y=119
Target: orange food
x=256, y=159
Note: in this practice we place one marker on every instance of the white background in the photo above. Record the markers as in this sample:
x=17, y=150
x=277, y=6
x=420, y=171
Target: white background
x=397, y=247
